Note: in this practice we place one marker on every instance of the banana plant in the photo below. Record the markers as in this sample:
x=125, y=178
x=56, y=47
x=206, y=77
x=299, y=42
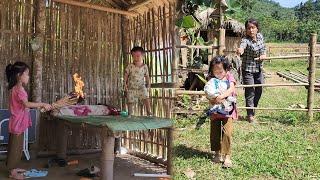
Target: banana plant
x=196, y=16
x=233, y=6
x=202, y=79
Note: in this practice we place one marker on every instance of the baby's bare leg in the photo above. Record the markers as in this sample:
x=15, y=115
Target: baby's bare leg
x=148, y=107
x=130, y=109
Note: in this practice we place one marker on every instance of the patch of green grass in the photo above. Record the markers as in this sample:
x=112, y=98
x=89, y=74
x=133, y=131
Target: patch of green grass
x=294, y=65
x=270, y=150
x=285, y=64
x=282, y=146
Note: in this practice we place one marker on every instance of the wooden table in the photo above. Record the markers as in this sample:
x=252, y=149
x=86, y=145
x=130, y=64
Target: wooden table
x=111, y=126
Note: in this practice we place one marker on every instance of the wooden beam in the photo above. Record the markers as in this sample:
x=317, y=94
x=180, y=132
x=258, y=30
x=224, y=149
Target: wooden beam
x=312, y=75
x=112, y=3
x=124, y=2
x=96, y=7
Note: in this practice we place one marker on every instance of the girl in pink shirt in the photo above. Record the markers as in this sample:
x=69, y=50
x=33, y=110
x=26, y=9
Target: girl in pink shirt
x=18, y=76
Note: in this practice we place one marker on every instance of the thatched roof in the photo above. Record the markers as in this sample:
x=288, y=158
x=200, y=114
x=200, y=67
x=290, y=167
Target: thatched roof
x=234, y=26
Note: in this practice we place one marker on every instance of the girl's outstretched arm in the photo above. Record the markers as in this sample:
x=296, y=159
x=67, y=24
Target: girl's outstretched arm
x=28, y=104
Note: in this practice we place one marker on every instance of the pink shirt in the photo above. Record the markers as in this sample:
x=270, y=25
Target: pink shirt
x=20, y=118
x=234, y=114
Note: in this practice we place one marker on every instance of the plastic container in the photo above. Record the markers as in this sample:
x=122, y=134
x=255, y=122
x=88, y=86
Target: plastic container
x=124, y=113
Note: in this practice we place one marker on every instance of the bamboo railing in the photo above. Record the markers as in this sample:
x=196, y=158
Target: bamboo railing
x=311, y=82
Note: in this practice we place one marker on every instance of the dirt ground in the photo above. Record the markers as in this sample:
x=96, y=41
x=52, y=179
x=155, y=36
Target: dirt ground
x=124, y=167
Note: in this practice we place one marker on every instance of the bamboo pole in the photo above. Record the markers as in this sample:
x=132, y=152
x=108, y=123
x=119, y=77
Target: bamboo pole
x=196, y=47
x=271, y=108
x=175, y=53
x=148, y=157
x=312, y=74
x=222, y=31
x=169, y=150
x=254, y=108
x=288, y=57
x=96, y=7
x=186, y=92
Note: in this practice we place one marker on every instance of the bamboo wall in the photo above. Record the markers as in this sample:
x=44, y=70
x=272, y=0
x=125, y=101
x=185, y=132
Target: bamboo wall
x=154, y=31
x=232, y=43
x=87, y=42
x=16, y=30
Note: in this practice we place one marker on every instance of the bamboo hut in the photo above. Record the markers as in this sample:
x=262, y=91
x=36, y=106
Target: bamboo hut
x=92, y=38
x=234, y=32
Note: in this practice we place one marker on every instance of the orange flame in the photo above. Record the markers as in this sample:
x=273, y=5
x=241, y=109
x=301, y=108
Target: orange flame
x=79, y=85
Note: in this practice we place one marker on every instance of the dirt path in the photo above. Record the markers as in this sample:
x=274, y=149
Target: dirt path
x=273, y=78
x=124, y=167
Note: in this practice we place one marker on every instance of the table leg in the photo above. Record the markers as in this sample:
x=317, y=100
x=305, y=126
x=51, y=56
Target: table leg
x=107, y=157
x=170, y=150
x=62, y=140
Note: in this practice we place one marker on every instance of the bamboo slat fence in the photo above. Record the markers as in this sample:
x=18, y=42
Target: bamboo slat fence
x=84, y=41
x=154, y=31
x=311, y=83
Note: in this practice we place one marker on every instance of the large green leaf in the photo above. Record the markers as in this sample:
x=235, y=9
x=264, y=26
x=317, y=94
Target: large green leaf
x=233, y=7
x=200, y=41
x=187, y=22
x=201, y=78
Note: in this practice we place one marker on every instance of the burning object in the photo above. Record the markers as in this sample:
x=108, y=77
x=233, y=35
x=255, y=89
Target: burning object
x=72, y=98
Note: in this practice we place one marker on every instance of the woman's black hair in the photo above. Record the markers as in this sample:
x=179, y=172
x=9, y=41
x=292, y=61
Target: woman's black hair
x=219, y=60
x=13, y=71
x=252, y=21
x=136, y=49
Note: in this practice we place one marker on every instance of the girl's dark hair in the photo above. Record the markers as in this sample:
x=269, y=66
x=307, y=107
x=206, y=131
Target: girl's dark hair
x=219, y=60
x=13, y=71
x=136, y=49
x=252, y=21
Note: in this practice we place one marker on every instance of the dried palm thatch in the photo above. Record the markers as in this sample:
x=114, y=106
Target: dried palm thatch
x=234, y=26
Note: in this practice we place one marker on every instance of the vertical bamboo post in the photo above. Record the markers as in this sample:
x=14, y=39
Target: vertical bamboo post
x=37, y=64
x=62, y=139
x=124, y=63
x=312, y=67
x=222, y=32
x=107, y=155
x=169, y=150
